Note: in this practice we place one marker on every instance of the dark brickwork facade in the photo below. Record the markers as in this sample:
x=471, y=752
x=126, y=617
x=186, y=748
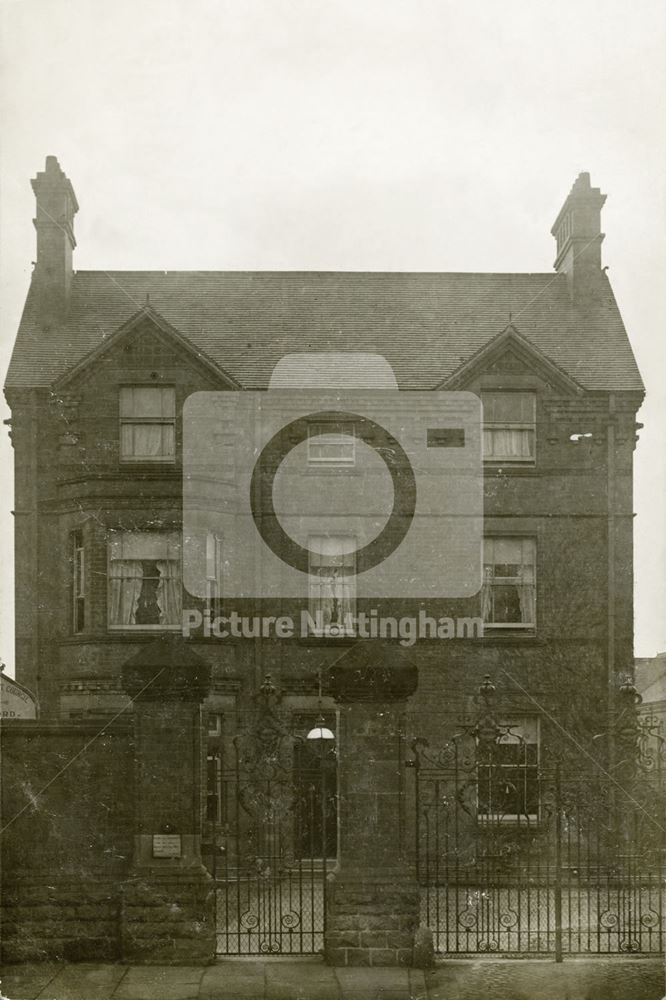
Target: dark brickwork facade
x=574, y=500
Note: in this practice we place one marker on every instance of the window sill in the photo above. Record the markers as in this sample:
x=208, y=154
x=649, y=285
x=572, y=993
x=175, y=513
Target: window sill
x=326, y=639
x=516, y=628
x=497, y=468
x=134, y=629
x=120, y=635
x=506, y=636
x=332, y=470
x=150, y=462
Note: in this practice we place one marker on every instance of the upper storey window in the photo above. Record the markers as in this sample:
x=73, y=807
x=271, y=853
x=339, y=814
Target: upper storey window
x=509, y=427
x=331, y=444
x=333, y=583
x=147, y=423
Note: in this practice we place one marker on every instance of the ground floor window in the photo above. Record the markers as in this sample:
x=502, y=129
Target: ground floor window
x=145, y=579
x=508, y=774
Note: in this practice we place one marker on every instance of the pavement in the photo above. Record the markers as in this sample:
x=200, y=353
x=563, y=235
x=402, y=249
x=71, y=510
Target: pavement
x=310, y=979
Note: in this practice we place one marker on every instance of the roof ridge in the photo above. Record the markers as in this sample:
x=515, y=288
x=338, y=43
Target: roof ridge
x=335, y=273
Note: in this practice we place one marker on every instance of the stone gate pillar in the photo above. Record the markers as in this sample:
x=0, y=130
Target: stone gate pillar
x=168, y=913
x=373, y=896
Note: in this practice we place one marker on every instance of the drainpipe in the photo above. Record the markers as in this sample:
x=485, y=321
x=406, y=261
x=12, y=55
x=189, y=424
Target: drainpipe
x=610, y=652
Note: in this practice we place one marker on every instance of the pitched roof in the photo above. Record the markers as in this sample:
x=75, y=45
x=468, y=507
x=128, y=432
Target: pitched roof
x=426, y=324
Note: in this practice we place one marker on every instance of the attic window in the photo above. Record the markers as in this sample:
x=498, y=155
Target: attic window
x=147, y=423
x=509, y=427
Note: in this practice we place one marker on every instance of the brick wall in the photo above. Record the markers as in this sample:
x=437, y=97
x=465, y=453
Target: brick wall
x=69, y=476
x=68, y=809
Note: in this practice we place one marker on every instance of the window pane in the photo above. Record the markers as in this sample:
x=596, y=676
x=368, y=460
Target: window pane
x=332, y=550
x=168, y=440
x=332, y=580
x=147, y=440
x=506, y=605
x=127, y=440
x=508, y=407
x=508, y=781
x=507, y=550
x=147, y=401
x=145, y=579
x=145, y=545
x=508, y=595
x=508, y=443
x=327, y=444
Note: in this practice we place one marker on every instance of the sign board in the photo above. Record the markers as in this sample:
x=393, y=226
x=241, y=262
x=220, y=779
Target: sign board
x=16, y=702
x=167, y=845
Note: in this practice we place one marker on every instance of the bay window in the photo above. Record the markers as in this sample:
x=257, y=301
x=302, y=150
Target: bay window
x=145, y=574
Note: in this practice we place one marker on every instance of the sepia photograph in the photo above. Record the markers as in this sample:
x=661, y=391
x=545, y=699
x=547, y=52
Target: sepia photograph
x=332, y=500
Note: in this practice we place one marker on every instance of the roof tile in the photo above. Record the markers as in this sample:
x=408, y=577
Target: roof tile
x=425, y=324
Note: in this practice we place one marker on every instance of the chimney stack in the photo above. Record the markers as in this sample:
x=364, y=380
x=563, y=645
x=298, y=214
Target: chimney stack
x=54, y=222
x=577, y=230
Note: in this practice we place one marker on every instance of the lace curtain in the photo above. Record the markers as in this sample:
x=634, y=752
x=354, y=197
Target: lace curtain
x=509, y=572
x=145, y=577
x=505, y=443
x=126, y=579
x=332, y=580
x=147, y=440
x=169, y=592
x=333, y=594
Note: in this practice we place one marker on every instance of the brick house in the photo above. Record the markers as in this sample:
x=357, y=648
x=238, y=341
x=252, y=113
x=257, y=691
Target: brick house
x=102, y=365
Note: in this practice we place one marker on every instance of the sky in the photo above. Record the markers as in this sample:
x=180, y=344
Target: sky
x=363, y=135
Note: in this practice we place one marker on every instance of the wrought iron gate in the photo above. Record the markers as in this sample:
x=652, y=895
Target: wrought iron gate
x=517, y=859
x=276, y=839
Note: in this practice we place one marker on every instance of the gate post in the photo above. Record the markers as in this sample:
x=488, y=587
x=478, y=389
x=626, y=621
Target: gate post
x=168, y=902
x=373, y=897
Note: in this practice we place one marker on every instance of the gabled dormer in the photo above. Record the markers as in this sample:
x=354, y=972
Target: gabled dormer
x=120, y=406
x=513, y=378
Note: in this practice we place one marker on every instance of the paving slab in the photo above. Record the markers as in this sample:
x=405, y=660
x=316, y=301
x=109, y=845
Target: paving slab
x=83, y=981
x=25, y=982
x=417, y=984
x=234, y=980
x=574, y=979
x=373, y=984
x=160, y=982
x=301, y=980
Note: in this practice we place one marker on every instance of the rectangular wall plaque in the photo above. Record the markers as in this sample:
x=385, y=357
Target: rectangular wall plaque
x=167, y=845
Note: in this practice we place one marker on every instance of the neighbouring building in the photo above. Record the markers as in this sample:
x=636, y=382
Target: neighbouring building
x=650, y=680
